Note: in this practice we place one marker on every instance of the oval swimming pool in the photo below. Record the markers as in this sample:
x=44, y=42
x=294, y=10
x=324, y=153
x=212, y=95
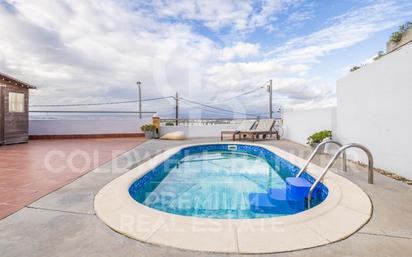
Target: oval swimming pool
x=225, y=181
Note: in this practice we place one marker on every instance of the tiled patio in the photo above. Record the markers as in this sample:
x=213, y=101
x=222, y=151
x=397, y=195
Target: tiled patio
x=30, y=171
x=64, y=223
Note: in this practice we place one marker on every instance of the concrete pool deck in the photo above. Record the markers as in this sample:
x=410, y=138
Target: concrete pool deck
x=64, y=223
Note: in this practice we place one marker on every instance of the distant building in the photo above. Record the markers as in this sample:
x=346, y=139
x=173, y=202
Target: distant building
x=14, y=110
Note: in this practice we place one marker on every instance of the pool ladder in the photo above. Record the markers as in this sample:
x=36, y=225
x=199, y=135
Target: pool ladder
x=341, y=150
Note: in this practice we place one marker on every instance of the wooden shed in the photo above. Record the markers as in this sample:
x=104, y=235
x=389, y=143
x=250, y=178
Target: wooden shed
x=14, y=110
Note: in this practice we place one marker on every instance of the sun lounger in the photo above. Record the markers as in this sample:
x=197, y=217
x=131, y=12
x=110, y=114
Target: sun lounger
x=263, y=128
x=244, y=125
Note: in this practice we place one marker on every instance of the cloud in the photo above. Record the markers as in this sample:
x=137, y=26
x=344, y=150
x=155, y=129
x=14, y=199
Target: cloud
x=72, y=56
x=217, y=15
x=240, y=50
x=302, y=89
x=95, y=51
x=214, y=14
x=237, y=77
x=344, y=31
x=299, y=16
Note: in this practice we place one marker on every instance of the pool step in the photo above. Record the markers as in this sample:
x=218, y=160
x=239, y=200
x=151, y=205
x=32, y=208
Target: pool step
x=262, y=203
x=297, y=188
x=282, y=201
x=275, y=201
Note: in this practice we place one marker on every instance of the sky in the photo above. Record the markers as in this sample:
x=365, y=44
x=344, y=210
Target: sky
x=209, y=51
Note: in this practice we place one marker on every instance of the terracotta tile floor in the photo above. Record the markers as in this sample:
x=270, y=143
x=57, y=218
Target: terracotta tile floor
x=30, y=171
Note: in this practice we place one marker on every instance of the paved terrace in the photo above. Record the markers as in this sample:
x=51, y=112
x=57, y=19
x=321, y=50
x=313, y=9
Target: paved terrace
x=30, y=171
x=63, y=223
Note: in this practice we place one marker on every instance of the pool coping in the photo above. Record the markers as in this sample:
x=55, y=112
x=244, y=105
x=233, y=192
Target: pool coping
x=344, y=211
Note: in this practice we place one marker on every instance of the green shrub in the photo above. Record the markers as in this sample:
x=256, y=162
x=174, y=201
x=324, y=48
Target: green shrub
x=169, y=123
x=148, y=127
x=318, y=137
x=397, y=35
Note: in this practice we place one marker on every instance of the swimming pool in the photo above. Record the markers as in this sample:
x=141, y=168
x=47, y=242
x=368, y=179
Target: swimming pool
x=261, y=229
x=223, y=181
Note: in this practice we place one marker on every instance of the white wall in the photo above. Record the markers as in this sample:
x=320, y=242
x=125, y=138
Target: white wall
x=198, y=131
x=375, y=109
x=298, y=125
x=82, y=127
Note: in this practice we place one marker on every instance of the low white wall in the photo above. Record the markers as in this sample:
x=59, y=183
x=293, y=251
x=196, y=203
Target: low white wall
x=85, y=127
x=375, y=109
x=298, y=125
x=198, y=131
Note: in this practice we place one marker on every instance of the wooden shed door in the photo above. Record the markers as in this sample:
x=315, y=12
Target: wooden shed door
x=1, y=114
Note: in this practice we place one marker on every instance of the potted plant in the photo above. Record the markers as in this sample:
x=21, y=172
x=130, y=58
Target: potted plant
x=319, y=137
x=149, y=131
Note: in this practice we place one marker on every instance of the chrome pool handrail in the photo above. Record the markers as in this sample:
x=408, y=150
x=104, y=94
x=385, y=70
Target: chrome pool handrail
x=344, y=164
x=332, y=161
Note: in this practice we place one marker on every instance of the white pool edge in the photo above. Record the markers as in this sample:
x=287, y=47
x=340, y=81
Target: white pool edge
x=345, y=210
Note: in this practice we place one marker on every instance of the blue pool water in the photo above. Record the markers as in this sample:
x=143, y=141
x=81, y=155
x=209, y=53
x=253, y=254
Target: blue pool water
x=214, y=181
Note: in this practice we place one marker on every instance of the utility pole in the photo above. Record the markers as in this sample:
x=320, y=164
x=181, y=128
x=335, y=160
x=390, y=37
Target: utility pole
x=177, y=108
x=140, y=98
x=269, y=88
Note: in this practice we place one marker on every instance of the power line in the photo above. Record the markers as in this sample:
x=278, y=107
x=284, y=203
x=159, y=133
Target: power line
x=222, y=113
x=209, y=106
x=248, y=92
x=243, y=94
x=105, y=103
x=208, y=110
x=215, y=108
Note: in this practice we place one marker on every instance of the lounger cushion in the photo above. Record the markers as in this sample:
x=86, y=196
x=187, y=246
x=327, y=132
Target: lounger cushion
x=265, y=125
x=177, y=135
x=244, y=125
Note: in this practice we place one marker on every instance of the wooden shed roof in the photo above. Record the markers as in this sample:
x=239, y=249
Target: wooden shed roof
x=9, y=79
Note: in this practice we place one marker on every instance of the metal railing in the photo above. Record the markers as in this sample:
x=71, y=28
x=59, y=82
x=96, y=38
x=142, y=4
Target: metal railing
x=332, y=161
x=344, y=164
